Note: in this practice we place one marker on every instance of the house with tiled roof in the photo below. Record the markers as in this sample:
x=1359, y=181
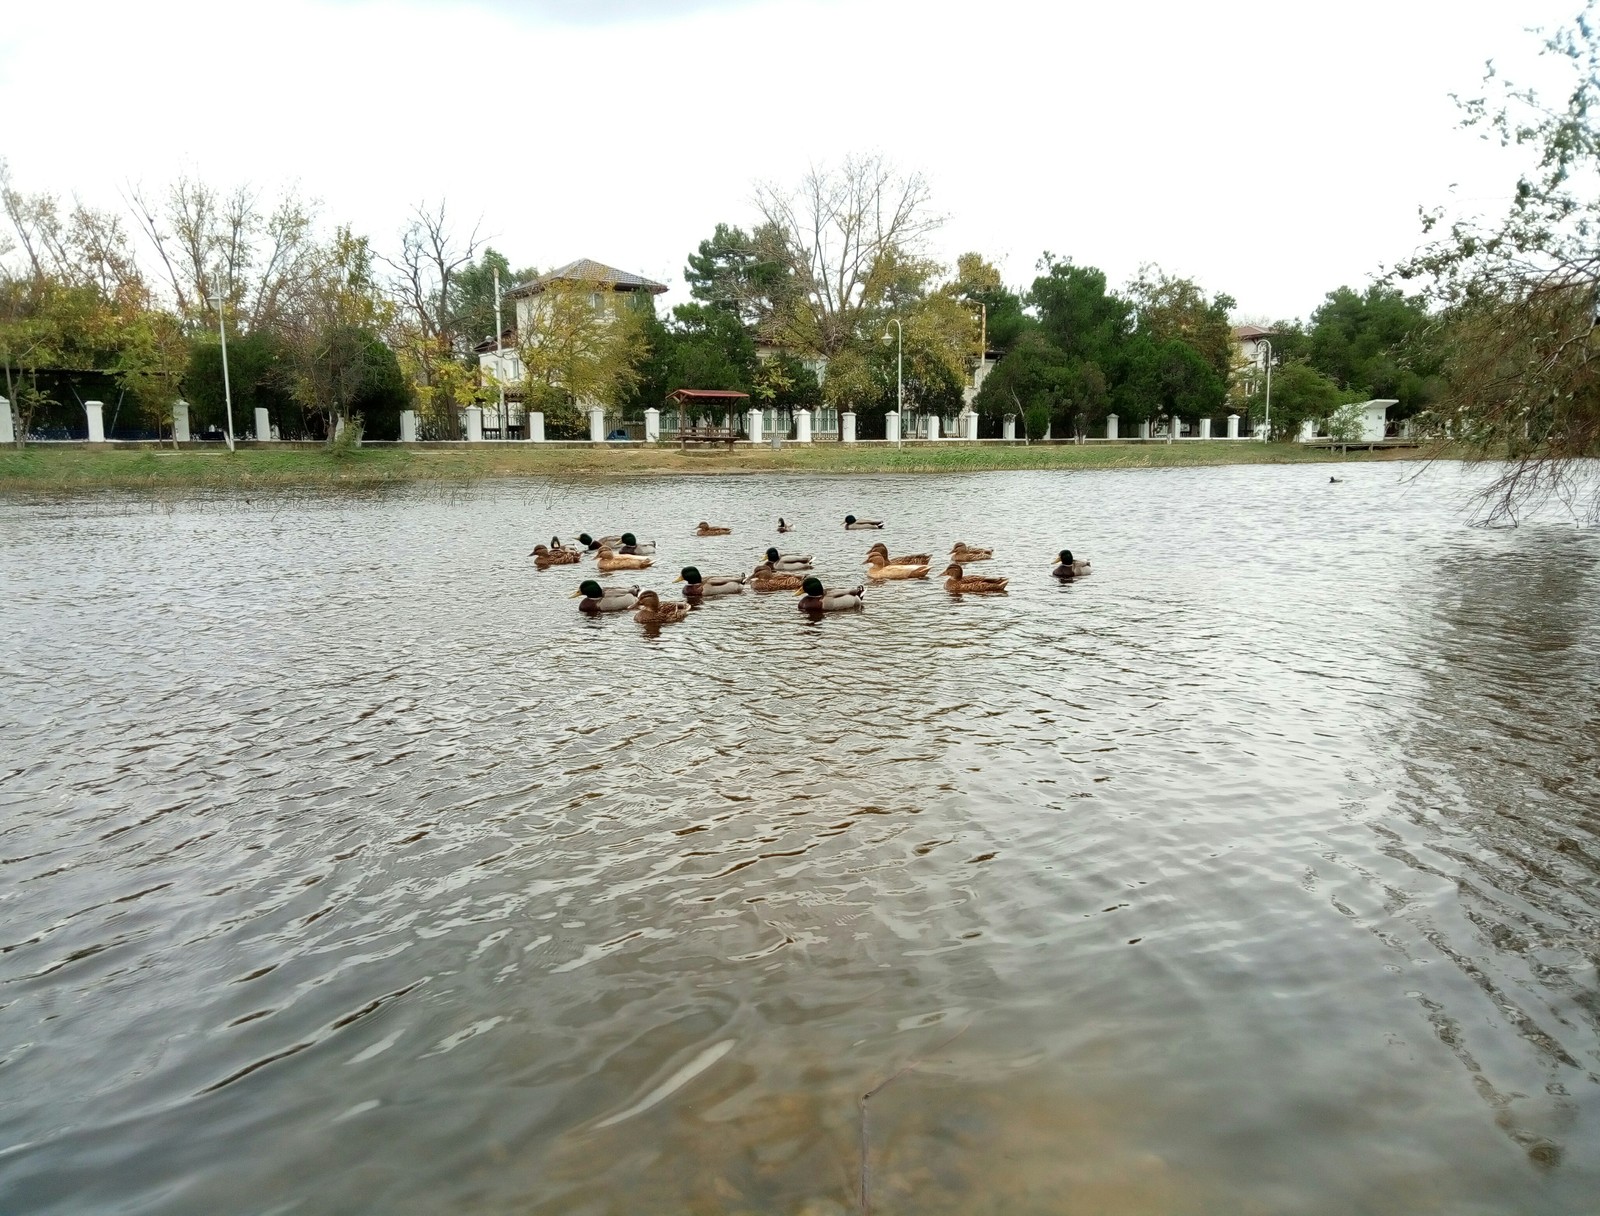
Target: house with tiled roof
x=606, y=288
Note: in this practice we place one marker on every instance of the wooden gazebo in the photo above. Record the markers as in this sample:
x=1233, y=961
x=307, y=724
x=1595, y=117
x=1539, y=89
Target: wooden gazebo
x=724, y=398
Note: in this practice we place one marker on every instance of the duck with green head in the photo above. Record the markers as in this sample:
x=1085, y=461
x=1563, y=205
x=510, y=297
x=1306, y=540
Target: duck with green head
x=635, y=547
x=592, y=545
x=1069, y=567
x=787, y=563
x=699, y=587
x=852, y=524
x=814, y=597
x=597, y=599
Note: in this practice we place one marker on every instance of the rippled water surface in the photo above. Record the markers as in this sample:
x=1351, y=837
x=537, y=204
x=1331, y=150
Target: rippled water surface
x=346, y=867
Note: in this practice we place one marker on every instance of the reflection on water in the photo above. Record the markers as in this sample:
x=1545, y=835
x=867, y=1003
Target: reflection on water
x=347, y=867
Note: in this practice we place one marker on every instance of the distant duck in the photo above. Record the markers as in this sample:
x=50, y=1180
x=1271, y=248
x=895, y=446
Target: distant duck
x=604, y=599
x=653, y=612
x=787, y=563
x=706, y=529
x=814, y=597
x=880, y=568
x=852, y=524
x=699, y=588
x=605, y=542
x=958, y=583
x=1336, y=480
x=784, y=527
x=608, y=561
x=632, y=545
x=962, y=553
x=766, y=578
x=1070, y=567
x=909, y=559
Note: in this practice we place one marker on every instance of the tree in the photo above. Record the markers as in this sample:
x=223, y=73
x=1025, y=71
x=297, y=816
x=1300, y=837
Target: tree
x=1518, y=336
x=1300, y=393
x=977, y=282
x=849, y=239
x=575, y=352
x=745, y=274
x=1175, y=308
x=1369, y=342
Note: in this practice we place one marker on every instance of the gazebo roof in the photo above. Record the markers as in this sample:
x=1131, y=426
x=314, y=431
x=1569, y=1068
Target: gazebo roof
x=684, y=396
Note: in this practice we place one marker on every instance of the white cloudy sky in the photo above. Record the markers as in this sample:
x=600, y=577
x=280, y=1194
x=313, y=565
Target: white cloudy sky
x=1271, y=150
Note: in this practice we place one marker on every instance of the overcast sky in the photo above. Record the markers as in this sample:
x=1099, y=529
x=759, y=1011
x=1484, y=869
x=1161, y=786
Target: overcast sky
x=1272, y=151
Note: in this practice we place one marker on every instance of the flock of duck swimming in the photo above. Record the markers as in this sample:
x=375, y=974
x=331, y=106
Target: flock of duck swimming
x=776, y=572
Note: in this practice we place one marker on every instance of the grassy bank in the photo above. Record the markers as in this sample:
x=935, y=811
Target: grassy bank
x=42, y=469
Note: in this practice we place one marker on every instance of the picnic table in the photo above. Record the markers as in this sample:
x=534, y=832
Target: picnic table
x=707, y=435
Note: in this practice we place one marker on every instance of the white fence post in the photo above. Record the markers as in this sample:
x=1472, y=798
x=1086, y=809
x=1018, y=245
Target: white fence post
x=97, y=422
x=847, y=426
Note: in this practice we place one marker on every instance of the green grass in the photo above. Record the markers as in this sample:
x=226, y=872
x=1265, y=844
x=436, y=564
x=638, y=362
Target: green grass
x=52, y=469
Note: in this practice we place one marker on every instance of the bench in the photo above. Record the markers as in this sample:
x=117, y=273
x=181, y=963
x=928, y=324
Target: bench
x=707, y=434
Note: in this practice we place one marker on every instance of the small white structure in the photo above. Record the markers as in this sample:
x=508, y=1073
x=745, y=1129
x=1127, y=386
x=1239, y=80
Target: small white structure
x=1308, y=431
x=967, y=424
x=802, y=426
x=263, y=425
x=408, y=426
x=474, y=415
x=891, y=426
x=652, y=425
x=1375, y=419
x=1144, y=429
x=1111, y=426
x=847, y=426
x=1205, y=428
x=180, y=421
x=97, y=422
x=933, y=426
x=536, y=426
x=753, y=425
x=1233, y=426
x=597, y=424
x=8, y=432
x=1008, y=427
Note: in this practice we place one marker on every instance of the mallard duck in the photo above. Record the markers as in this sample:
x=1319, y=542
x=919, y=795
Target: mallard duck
x=852, y=524
x=705, y=529
x=958, y=583
x=962, y=553
x=787, y=563
x=607, y=561
x=784, y=527
x=766, y=578
x=814, y=597
x=1069, y=568
x=631, y=544
x=879, y=567
x=910, y=559
x=544, y=558
x=605, y=542
x=604, y=599
x=653, y=612
x=717, y=584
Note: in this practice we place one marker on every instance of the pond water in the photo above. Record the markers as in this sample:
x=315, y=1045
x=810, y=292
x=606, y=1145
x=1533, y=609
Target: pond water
x=346, y=867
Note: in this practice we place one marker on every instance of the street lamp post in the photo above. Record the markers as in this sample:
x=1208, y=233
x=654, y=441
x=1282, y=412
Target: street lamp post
x=227, y=386
x=899, y=381
x=1266, y=422
x=498, y=370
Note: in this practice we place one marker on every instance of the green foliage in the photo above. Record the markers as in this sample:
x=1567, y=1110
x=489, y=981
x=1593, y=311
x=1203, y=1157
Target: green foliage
x=1300, y=393
x=1369, y=343
x=1078, y=315
x=739, y=273
x=1176, y=309
x=257, y=373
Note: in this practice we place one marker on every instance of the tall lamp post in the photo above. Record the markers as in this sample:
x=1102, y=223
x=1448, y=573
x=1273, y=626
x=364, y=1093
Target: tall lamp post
x=899, y=381
x=1267, y=421
x=227, y=386
x=498, y=331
